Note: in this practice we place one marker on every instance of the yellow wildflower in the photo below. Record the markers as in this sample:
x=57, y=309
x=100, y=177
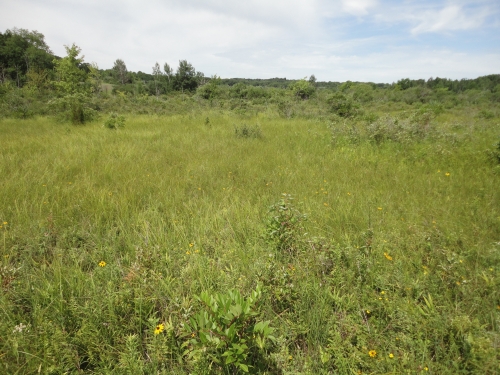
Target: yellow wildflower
x=387, y=256
x=391, y=355
x=159, y=328
x=102, y=263
x=447, y=174
x=372, y=353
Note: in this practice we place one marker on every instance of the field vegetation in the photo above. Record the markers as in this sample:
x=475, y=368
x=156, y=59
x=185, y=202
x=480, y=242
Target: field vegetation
x=205, y=226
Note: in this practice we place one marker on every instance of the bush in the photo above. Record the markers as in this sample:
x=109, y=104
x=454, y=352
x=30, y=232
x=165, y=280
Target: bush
x=341, y=105
x=76, y=108
x=416, y=127
x=302, y=89
x=114, y=121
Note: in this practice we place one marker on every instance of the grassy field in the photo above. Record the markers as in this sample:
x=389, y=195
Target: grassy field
x=369, y=249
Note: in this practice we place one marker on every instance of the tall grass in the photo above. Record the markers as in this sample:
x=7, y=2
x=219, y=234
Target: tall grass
x=398, y=257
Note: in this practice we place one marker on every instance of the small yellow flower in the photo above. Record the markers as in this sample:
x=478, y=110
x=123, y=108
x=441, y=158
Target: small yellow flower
x=372, y=353
x=5, y=223
x=391, y=355
x=426, y=368
x=325, y=204
x=191, y=245
x=159, y=328
x=379, y=208
x=102, y=263
x=387, y=256
x=368, y=311
x=382, y=292
x=447, y=174
x=290, y=357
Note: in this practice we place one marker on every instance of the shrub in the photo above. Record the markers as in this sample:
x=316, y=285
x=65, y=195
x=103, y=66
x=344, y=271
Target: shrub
x=76, y=108
x=302, y=89
x=416, y=127
x=115, y=121
x=341, y=105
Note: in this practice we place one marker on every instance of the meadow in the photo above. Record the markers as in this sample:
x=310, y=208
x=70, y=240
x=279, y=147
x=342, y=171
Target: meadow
x=222, y=239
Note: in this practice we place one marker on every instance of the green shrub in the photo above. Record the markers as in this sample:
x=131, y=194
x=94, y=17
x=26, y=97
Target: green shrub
x=76, y=108
x=341, y=105
x=302, y=89
x=114, y=121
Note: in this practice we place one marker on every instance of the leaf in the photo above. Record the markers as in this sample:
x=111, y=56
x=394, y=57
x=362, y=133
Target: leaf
x=243, y=367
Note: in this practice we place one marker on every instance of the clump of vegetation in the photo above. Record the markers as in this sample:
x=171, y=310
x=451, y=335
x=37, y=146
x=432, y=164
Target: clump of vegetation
x=115, y=121
x=284, y=226
x=247, y=131
x=227, y=335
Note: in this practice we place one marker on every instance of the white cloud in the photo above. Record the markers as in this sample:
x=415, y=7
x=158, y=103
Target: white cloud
x=358, y=7
x=333, y=39
x=451, y=17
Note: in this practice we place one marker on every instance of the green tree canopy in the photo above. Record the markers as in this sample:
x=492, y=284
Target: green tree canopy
x=185, y=77
x=70, y=71
x=20, y=51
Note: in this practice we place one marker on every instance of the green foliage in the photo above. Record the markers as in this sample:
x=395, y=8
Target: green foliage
x=341, y=105
x=415, y=127
x=302, y=89
x=70, y=76
x=211, y=90
x=284, y=226
x=227, y=335
x=185, y=78
x=21, y=51
x=76, y=108
x=247, y=131
x=115, y=121
x=285, y=108
x=484, y=113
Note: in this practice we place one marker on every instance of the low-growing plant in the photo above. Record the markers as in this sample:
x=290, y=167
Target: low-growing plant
x=247, y=131
x=484, y=113
x=285, y=108
x=227, y=334
x=416, y=126
x=115, y=121
x=284, y=226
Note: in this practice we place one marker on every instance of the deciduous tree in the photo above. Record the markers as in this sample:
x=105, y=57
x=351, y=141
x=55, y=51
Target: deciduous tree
x=121, y=71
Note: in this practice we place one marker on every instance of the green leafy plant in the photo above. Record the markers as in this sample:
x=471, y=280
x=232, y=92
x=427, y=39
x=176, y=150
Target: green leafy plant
x=115, y=121
x=302, y=89
x=226, y=334
x=76, y=108
x=284, y=226
x=341, y=105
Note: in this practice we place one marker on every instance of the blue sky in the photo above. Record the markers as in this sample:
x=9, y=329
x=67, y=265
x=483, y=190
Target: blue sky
x=336, y=40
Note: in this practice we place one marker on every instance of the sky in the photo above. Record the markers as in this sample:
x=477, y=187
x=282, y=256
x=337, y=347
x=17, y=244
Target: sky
x=336, y=40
